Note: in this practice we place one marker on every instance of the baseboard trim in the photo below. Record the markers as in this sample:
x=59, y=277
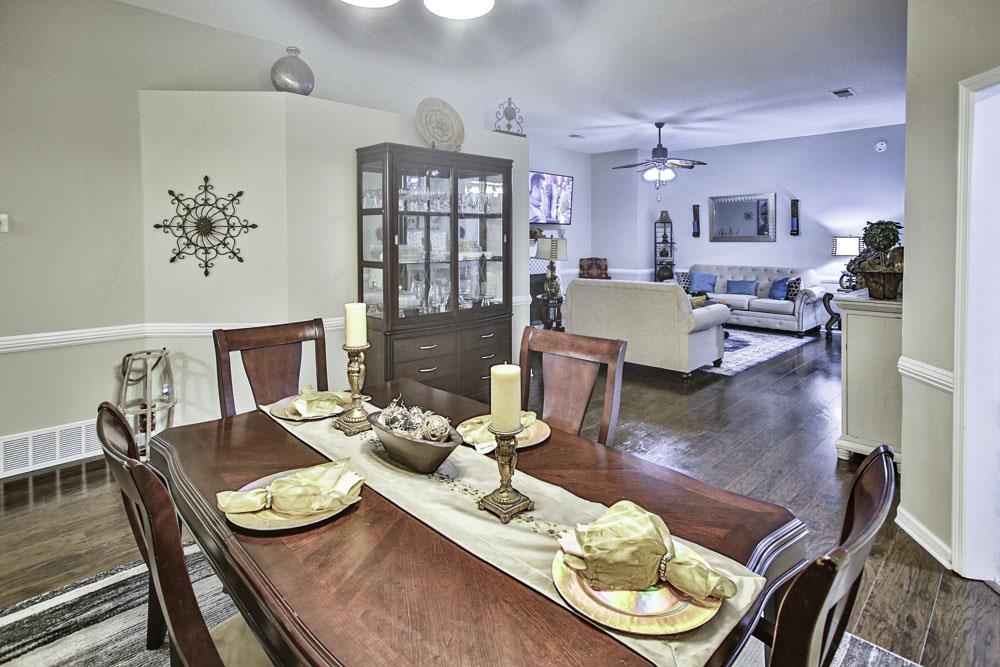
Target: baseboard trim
x=631, y=274
x=931, y=543
x=522, y=300
x=928, y=374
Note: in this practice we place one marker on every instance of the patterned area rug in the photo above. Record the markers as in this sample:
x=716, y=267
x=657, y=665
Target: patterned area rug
x=746, y=348
x=101, y=622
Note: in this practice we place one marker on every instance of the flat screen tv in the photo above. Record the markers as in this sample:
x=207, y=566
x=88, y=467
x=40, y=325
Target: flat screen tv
x=550, y=198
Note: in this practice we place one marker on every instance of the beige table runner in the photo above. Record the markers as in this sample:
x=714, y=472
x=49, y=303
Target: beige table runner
x=524, y=548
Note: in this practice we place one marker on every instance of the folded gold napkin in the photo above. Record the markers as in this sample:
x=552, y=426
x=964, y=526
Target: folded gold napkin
x=321, y=488
x=628, y=548
x=312, y=403
x=477, y=431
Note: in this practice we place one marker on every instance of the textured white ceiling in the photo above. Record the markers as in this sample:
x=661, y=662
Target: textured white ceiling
x=717, y=71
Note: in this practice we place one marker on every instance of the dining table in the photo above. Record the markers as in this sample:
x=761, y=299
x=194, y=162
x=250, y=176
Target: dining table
x=374, y=585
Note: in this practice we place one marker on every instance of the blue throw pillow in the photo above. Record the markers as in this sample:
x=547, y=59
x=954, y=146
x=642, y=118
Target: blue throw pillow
x=702, y=282
x=779, y=289
x=741, y=287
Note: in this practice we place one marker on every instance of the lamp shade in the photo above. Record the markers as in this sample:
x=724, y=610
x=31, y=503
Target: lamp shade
x=555, y=249
x=847, y=246
x=664, y=216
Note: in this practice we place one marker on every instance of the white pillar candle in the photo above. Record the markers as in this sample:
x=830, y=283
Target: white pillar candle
x=355, y=325
x=505, y=397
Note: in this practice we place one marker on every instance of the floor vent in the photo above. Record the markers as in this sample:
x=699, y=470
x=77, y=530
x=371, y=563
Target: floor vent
x=24, y=452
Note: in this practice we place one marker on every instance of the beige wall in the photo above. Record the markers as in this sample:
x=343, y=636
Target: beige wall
x=946, y=43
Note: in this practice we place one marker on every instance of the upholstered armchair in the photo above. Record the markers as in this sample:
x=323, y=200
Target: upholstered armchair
x=594, y=267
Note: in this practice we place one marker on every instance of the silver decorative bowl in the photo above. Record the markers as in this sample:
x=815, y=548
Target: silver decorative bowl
x=423, y=456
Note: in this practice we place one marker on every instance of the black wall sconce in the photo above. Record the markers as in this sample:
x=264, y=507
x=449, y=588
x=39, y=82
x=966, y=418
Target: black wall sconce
x=696, y=220
x=794, y=230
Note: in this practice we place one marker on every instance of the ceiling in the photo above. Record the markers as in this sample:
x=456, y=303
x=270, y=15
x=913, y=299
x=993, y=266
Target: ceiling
x=718, y=72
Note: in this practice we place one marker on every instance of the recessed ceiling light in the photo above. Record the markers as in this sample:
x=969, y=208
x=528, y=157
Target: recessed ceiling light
x=371, y=3
x=459, y=9
x=844, y=93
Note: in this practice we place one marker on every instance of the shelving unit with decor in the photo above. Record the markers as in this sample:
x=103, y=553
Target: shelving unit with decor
x=434, y=265
x=663, y=248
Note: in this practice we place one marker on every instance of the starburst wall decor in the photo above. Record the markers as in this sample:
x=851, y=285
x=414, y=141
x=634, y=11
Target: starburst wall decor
x=205, y=226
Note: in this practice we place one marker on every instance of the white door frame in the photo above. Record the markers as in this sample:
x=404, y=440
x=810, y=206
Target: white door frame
x=975, y=475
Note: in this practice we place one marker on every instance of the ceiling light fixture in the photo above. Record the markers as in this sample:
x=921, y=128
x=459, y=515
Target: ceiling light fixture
x=371, y=4
x=460, y=10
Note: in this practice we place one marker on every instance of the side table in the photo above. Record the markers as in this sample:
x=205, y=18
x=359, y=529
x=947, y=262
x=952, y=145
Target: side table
x=550, y=308
x=834, y=320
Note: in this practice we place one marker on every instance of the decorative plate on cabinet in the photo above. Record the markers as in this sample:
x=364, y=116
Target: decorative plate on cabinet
x=439, y=124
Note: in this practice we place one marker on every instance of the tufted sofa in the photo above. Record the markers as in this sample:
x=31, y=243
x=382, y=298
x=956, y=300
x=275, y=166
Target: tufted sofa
x=656, y=319
x=803, y=313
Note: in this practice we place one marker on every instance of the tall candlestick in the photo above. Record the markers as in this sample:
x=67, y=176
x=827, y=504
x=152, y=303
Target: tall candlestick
x=355, y=325
x=505, y=397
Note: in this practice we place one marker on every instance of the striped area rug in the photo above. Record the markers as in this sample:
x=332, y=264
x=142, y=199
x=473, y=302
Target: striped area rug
x=101, y=622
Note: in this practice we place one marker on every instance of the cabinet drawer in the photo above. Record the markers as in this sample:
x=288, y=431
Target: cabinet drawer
x=430, y=368
x=485, y=357
x=422, y=347
x=486, y=336
x=476, y=384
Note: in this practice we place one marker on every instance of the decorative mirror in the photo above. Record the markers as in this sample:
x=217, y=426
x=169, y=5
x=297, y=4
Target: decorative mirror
x=742, y=217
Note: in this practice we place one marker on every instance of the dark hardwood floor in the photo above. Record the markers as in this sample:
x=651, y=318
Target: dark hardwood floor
x=767, y=432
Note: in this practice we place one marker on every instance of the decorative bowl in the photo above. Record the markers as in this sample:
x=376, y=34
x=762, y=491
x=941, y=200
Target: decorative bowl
x=424, y=456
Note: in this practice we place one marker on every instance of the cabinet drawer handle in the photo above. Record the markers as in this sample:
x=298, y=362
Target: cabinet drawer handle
x=488, y=356
x=489, y=335
x=428, y=370
x=427, y=347
x=484, y=377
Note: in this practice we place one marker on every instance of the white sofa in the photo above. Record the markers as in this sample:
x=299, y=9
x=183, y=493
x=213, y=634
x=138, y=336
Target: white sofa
x=804, y=313
x=656, y=319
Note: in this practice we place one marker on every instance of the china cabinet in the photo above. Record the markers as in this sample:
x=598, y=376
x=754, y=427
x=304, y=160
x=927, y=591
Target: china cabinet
x=663, y=249
x=434, y=265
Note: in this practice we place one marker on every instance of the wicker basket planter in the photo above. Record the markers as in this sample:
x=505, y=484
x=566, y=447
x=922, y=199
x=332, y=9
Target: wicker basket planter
x=882, y=284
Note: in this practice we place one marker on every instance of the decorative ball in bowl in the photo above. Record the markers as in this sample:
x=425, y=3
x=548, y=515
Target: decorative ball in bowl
x=424, y=456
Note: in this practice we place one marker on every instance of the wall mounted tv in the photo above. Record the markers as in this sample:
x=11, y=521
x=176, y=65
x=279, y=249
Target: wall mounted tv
x=550, y=199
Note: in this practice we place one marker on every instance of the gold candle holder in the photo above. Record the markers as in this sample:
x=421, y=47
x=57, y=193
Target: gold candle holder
x=354, y=420
x=506, y=501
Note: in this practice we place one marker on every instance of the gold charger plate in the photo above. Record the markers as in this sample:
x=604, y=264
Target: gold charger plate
x=660, y=610
x=281, y=408
x=439, y=124
x=269, y=520
x=532, y=435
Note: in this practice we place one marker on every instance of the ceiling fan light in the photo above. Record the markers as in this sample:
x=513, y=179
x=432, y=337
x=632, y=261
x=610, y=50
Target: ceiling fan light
x=650, y=175
x=460, y=10
x=666, y=175
x=371, y=4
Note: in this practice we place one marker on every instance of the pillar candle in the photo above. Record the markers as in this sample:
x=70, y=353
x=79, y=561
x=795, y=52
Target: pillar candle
x=505, y=397
x=355, y=325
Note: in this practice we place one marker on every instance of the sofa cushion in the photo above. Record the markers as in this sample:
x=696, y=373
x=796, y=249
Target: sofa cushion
x=734, y=301
x=683, y=279
x=703, y=282
x=779, y=289
x=777, y=306
x=741, y=287
x=794, y=285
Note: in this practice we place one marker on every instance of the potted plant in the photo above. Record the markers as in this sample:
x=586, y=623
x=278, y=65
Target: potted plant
x=880, y=265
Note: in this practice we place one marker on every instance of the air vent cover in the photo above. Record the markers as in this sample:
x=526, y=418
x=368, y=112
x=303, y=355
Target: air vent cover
x=844, y=93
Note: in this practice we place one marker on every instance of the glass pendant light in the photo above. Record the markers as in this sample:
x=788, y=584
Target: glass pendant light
x=371, y=3
x=459, y=9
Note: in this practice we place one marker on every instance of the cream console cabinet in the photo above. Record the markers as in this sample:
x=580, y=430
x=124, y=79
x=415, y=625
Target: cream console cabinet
x=871, y=343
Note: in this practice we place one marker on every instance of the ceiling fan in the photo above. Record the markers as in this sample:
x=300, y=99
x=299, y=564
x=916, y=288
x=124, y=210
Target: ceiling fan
x=660, y=167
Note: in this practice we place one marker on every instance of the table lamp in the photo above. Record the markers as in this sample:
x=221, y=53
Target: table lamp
x=847, y=246
x=552, y=249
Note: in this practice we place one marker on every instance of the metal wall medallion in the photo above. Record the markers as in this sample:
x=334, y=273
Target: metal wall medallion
x=205, y=226
x=509, y=119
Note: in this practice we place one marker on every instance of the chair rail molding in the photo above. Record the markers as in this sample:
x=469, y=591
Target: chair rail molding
x=933, y=376
x=975, y=477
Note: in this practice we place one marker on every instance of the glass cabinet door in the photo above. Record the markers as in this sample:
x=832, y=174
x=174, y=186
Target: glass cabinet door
x=480, y=239
x=373, y=229
x=424, y=240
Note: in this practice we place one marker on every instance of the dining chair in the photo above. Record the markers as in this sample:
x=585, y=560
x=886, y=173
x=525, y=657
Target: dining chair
x=570, y=363
x=155, y=525
x=115, y=433
x=272, y=359
x=817, y=604
x=594, y=267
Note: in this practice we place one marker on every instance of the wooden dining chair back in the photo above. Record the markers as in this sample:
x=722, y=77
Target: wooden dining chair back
x=154, y=522
x=814, y=612
x=115, y=434
x=272, y=358
x=570, y=364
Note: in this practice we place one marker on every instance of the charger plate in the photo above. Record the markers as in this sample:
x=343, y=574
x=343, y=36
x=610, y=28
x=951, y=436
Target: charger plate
x=269, y=520
x=281, y=408
x=532, y=435
x=660, y=610
x=439, y=124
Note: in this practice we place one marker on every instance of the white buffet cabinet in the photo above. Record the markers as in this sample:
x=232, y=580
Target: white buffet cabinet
x=871, y=344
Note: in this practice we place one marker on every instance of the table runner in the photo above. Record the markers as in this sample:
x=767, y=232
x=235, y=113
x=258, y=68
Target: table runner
x=524, y=548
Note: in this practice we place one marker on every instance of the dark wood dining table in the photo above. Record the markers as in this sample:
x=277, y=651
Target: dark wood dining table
x=375, y=586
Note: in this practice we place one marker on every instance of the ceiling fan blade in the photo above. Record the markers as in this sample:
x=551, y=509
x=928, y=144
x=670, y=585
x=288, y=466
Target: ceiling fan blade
x=629, y=166
x=683, y=163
